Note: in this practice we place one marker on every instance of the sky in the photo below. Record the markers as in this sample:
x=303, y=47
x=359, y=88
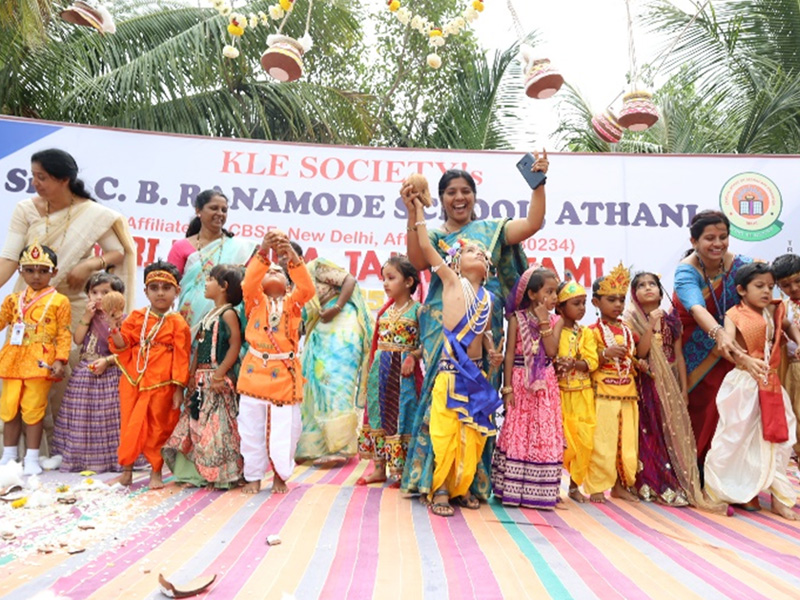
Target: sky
x=587, y=40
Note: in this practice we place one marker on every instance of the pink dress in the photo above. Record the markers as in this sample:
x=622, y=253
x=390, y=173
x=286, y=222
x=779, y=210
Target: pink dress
x=527, y=462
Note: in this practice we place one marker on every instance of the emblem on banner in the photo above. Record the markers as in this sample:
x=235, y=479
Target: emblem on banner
x=753, y=204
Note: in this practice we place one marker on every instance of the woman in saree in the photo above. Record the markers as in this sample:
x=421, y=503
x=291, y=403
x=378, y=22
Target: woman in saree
x=704, y=291
x=335, y=365
x=65, y=217
x=206, y=245
x=502, y=238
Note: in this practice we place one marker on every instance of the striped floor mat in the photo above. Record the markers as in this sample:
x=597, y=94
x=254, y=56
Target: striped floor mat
x=344, y=541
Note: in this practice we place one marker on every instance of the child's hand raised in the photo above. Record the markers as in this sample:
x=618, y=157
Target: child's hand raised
x=654, y=318
x=542, y=314
x=540, y=161
x=114, y=321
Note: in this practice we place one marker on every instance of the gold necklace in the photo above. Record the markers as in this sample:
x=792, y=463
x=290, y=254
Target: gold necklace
x=66, y=227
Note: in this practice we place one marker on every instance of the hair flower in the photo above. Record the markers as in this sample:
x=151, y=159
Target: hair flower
x=287, y=5
x=276, y=12
x=230, y=52
x=393, y=5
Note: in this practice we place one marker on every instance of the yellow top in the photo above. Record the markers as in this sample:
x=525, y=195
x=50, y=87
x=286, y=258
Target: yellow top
x=580, y=345
x=609, y=383
x=47, y=336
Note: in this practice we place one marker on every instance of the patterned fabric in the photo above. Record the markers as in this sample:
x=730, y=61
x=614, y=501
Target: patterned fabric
x=704, y=369
x=204, y=447
x=526, y=467
x=656, y=478
x=86, y=433
x=192, y=303
x=509, y=263
x=391, y=398
x=335, y=365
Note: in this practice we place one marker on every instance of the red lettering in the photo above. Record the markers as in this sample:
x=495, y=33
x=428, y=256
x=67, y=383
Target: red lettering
x=339, y=166
x=229, y=161
x=310, y=163
x=351, y=170
x=251, y=164
x=478, y=177
x=392, y=170
x=582, y=273
x=371, y=266
x=277, y=162
x=353, y=255
x=150, y=245
x=310, y=254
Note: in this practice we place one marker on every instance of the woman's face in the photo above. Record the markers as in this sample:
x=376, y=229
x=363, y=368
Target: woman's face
x=713, y=243
x=47, y=186
x=458, y=200
x=214, y=214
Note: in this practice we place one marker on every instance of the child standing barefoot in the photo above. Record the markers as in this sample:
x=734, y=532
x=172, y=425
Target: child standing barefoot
x=615, y=458
x=577, y=359
x=87, y=429
x=204, y=448
x=753, y=441
x=152, y=347
x=271, y=380
x=392, y=394
x=463, y=400
x=526, y=466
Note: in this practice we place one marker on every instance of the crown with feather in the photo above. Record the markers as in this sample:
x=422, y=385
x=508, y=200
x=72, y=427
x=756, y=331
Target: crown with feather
x=616, y=282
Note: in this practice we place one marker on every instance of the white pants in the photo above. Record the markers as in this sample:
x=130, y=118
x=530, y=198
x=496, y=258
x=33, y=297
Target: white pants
x=269, y=433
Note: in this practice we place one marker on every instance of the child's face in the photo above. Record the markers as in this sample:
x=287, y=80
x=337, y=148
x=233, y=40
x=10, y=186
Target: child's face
x=37, y=276
x=162, y=295
x=394, y=284
x=758, y=292
x=213, y=289
x=574, y=308
x=274, y=282
x=791, y=286
x=647, y=290
x=546, y=295
x=474, y=261
x=97, y=292
x=610, y=307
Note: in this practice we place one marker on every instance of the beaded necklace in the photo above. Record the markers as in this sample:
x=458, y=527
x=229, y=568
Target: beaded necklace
x=146, y=339
x=275, y=311
x=624, y=367
x=472, y=306
x=208, y=321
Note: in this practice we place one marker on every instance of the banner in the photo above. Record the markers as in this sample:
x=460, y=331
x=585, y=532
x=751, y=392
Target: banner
x=343, y=203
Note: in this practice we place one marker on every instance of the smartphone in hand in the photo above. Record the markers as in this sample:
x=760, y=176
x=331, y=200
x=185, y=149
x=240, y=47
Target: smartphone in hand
x=534, y=178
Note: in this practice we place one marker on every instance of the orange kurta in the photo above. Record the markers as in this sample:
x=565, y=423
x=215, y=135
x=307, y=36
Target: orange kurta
x=279, y=381
x=47, y=336
x=148, y=383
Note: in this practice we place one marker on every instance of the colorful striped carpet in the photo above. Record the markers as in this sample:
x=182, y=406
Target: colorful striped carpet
x=343, y=541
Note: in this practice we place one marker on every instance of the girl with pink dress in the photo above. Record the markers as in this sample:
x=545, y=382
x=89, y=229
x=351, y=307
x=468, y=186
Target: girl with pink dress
x=526, y=466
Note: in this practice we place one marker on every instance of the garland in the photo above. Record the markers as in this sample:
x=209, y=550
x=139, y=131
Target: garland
x=437, y=36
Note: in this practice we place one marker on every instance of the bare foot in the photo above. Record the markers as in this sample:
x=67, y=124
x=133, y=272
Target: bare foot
x=780, y=509
x=279, y=485
x=560, y=505
x=575, y=494
x=378, y=475
x=251, y=487
x=156, y=483
x=598, y=498
x=331, y=461
x=619, y=491
x=125, y=479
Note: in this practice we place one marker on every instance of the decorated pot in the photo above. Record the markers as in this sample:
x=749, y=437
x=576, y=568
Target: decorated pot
x=89, y=15
x=638, y=111
x=542, y=80
x=607, y=127
x=283, y=60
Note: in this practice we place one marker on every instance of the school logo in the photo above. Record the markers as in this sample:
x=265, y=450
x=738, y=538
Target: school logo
x=753, y=204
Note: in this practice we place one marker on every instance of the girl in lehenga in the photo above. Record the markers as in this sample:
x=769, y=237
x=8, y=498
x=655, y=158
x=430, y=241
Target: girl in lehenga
x=667, y=449
x=203, y=450
x=335, y=365
x=394, y=375
x=526, y=468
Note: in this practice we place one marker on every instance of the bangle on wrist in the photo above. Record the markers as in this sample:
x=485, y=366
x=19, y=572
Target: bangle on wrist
x=84, y=323
x=103, y=263
x=215, y=378
x=712, y=333
x=411, y=228
x=506, y=390
x=420, y=224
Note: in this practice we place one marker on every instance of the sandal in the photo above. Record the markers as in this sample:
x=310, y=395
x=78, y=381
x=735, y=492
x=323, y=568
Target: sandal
x=467, y=501
x=442, y=509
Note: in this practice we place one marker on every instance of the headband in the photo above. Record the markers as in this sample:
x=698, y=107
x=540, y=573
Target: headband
x=164, y=276
x=572, y=289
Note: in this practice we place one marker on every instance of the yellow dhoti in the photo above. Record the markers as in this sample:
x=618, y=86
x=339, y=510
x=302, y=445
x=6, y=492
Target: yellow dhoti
x=615, y=448
x=457, y=447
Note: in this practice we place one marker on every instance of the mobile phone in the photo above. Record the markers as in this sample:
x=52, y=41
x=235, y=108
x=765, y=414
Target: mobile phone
x=534, y=178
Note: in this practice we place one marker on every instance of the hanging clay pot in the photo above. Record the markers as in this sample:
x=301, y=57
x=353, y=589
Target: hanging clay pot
x=638, y=111
x=542, y=80
x=89, y=15
x=607, y=127
x=283, y=60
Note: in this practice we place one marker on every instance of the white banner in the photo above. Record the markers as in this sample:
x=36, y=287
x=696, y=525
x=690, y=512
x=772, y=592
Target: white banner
x=343, y=203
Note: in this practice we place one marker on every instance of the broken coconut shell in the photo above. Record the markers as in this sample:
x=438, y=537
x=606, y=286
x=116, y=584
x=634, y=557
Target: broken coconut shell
x=421, y=187
x=192, y=588
x=113, y=304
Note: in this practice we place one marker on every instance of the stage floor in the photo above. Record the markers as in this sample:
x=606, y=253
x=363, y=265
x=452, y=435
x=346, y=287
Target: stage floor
x=343, y=541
